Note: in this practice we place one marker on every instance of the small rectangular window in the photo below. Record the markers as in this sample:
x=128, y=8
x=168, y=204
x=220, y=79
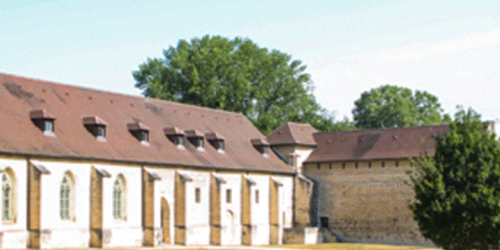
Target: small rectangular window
x=100, y=132
x=397, y=163
x=383, y=164
x=48, y=126
x=257, y=196
x=228, y=196
x=265, y=149
x=198, y=142
x=219, y=145
x=319, y=166
x=197, y=195
x=178, y=140
x=144, y=136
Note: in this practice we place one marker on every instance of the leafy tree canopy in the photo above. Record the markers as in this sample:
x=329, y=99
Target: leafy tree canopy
x=392, y=106
x=457, y=192
x=265, y=85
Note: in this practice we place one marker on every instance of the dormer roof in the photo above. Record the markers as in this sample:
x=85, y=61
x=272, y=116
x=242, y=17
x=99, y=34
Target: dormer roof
x=93, y=120
x=172, y=131
x=41, y=114
x=259, y=142
x=214, y=136
x=192, y=133
x=134, y=126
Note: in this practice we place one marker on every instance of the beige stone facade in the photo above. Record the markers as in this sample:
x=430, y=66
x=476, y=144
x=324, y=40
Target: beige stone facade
x=366, y=201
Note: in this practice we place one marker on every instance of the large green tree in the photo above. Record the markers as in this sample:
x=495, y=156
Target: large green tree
x=236, y=75
x=392, y=106
x=457, y=191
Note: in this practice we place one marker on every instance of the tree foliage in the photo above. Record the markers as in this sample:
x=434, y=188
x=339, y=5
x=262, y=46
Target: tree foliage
x=236, y=75
x=392, y=106
x=457, y=192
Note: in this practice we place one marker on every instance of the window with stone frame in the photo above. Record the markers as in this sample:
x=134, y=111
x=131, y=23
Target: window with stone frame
x=67, y=199
x=197, y=195
x=229, y=197
x=8, y=192
x=119, y=201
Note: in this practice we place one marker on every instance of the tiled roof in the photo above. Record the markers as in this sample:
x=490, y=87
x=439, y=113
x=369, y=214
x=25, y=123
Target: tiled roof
x=393, y=143
x=292, y=133
x=69, y=105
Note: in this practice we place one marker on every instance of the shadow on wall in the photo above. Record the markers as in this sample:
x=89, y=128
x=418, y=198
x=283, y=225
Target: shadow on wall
x=313, y=206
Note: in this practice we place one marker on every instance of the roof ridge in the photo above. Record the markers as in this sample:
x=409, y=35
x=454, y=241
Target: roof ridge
x=381, y=129
x=291, y=133
x=299, y=123
x=119, y=94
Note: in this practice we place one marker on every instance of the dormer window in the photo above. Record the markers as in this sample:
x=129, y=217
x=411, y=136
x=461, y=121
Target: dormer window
x=43, y=120
x=100, y=131
x=139, y=131
x=175, y=135
x=261, y=145
x=216, y=140
x=219, y=145
x=144, y=136
x=49, y=127
x=196, y=138
x=96, y=126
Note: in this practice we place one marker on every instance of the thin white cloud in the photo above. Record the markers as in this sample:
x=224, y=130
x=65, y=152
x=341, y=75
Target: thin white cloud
x=420, y=51
x=460, y=71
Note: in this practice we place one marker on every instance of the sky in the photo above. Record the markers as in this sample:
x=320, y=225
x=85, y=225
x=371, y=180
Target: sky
x=450, y=48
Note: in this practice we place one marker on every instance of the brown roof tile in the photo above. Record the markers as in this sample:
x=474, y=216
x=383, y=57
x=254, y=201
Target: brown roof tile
x=394, y=143
x=293, y=133
x=68, y=104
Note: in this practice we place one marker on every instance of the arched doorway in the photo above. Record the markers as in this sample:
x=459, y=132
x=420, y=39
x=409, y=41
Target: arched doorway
x=165, y=221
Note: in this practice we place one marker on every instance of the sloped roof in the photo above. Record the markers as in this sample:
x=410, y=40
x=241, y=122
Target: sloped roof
x=69, y=104
x=292, y=133
x=393, y=143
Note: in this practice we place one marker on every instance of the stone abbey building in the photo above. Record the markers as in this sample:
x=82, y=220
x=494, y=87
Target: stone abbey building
x=83, y=168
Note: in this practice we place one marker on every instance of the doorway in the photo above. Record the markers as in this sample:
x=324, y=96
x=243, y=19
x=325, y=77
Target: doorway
x=165, y=221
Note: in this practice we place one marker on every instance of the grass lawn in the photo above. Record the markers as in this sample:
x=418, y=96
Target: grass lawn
x=347, y=246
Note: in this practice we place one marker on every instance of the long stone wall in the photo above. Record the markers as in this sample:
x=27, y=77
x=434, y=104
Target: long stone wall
x=366, y=201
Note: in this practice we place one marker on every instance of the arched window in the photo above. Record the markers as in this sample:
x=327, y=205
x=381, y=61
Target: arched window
x=67, y=197
x=119, y=194
x=7, y=197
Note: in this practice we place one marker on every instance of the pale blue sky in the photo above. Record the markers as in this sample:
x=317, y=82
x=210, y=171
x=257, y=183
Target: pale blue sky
x=450, y=48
